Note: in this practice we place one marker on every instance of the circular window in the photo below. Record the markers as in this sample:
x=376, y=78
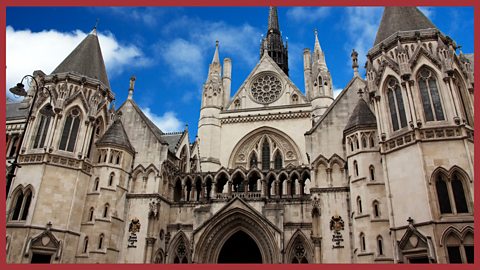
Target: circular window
x=266, y=89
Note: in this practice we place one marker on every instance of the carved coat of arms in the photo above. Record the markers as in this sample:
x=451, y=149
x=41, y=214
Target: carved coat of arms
x=134, y=226
x=336, y=223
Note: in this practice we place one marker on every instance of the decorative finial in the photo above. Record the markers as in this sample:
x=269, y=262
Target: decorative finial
x=410, y=220
x=354, y=57
x=360, y=92
x=132, y=87
x=94, y=30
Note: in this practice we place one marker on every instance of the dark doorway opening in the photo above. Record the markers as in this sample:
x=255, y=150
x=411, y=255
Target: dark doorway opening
x=240, y=248
x=41, y=258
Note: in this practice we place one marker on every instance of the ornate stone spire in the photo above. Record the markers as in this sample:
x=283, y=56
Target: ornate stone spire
x=354, y=56
x=132, y=87
x=216, y=58
x=318, y=55
x=272, y=44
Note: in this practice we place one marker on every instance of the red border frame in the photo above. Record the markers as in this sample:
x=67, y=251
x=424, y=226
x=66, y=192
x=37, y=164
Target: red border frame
x=5, y=3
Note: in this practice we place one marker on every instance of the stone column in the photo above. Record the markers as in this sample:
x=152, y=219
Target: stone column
x=150, y=241
x=317, y=243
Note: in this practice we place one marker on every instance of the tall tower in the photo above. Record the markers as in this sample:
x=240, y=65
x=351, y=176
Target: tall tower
x=273, y=43
x=318, y=81
x=213, y=100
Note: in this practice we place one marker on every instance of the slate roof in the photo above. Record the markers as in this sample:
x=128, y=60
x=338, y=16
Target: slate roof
x=86, y=60
x=172, y=139
x=361, y=116
x=396, y=19
x=116, y=135
x=17, y=110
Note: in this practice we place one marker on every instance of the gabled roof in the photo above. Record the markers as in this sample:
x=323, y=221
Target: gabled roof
x=396, y=19
x=361, y=116
x=116, y=136
x=86, y=60
x=173, y=139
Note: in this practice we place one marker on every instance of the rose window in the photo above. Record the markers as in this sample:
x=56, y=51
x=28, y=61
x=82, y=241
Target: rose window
x=266, y=89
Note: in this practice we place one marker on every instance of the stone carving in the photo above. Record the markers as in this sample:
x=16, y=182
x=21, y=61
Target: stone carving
x=266, y=89
x=133, y=229
x=154, y=208
x=336, y=225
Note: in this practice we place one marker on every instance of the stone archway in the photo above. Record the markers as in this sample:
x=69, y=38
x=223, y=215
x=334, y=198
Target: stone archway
x=223, y=228
x=240, y=248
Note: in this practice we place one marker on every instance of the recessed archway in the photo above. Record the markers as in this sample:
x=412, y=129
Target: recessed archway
x=240, y=248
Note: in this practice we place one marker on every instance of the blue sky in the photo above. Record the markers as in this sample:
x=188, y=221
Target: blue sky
x=169, y=49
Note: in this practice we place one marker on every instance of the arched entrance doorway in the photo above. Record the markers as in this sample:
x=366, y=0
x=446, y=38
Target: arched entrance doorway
x=240, y=248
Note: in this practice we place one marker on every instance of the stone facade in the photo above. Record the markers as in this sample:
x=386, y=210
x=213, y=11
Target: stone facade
x=383, y=173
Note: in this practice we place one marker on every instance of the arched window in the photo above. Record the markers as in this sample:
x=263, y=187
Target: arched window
x=110, y=179
x=376, y=209
x=23, y=199
x=85, y=244
x=265, y=155
x=90, y=214
x=459, y=194
x=95, y=184
x=100, y=241
x=359, y=205
x=253, y=160
x=442, y=194
x=380, y=245
x=395, y=104
x=364, y=142
x=294, y=99
x=432, y=105
x=278, y=161
x=299, y=253
x=188, y=189
x=355, y=168
x=362, y=242
x=237, y=104
x=351, y=146
x=118, y=158
x=372, y=141
x=181, y=253
x=372, y=172
x=105, y=210
x=42, y=131
x=459, y=249
x=464, y=100
x=177, y=193
x=70, y=131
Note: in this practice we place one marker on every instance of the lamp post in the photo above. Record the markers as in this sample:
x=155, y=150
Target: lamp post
x=47, y=110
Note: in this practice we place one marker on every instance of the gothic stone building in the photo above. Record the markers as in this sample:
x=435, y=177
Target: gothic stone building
x=383, y=173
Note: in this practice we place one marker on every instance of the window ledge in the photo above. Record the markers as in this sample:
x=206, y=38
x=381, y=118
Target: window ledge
x=365, y=254
x=358, y=179
x=83, y=255
x=99, y=251
x=362, y=216
x=382, y=258
x=379, y=219
x=94, y=193
x=103, y=220
x=108, y=188
x=88, y=223
x=374, y=183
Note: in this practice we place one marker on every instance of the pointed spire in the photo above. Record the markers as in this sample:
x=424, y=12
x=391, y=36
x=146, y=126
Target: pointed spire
x=116, y=136
x=273, y=19
x=216, y=58
x=86, y=60
x=396, y=19
x=361, y=117
x=132, y=87
x=317, y=43
x=354, y=57
x=272, y=43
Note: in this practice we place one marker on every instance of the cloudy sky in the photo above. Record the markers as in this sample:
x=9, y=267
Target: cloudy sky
x=169, y=49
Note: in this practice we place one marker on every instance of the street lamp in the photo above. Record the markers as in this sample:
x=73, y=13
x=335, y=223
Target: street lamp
x=47, y=110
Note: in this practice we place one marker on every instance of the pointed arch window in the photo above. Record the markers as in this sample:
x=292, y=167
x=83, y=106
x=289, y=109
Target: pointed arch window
x=265, y=155
x=100, y=241
x=13, y=148
x=372, y=172
x=110, y=179
x=96, y=183
x=21, y=207
x=70, y=131
x=85, y=244
x=395, y=104
x=376, y=209
x=278, y=161
x=105, y=210
x=432, y=104
x=181, y=253
x=451, y=194
x=362, y=242
x=355, y=168
x=90, y=214
x=299, y=253
x=253, y=160
x=359, y=205
x=459, y=249
x=380, y=245
x=464, y=100
x=42, y=130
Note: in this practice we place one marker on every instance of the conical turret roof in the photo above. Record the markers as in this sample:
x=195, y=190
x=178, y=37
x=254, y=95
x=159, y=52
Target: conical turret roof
x=116, y=136
x=396, y=19
x=86, y=60
x=361, y=116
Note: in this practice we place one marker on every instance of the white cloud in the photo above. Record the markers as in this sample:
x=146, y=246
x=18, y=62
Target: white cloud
x=189, y=57
x=28, y=51
x=308, y=14
x=168, y=122
x=361, y=25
